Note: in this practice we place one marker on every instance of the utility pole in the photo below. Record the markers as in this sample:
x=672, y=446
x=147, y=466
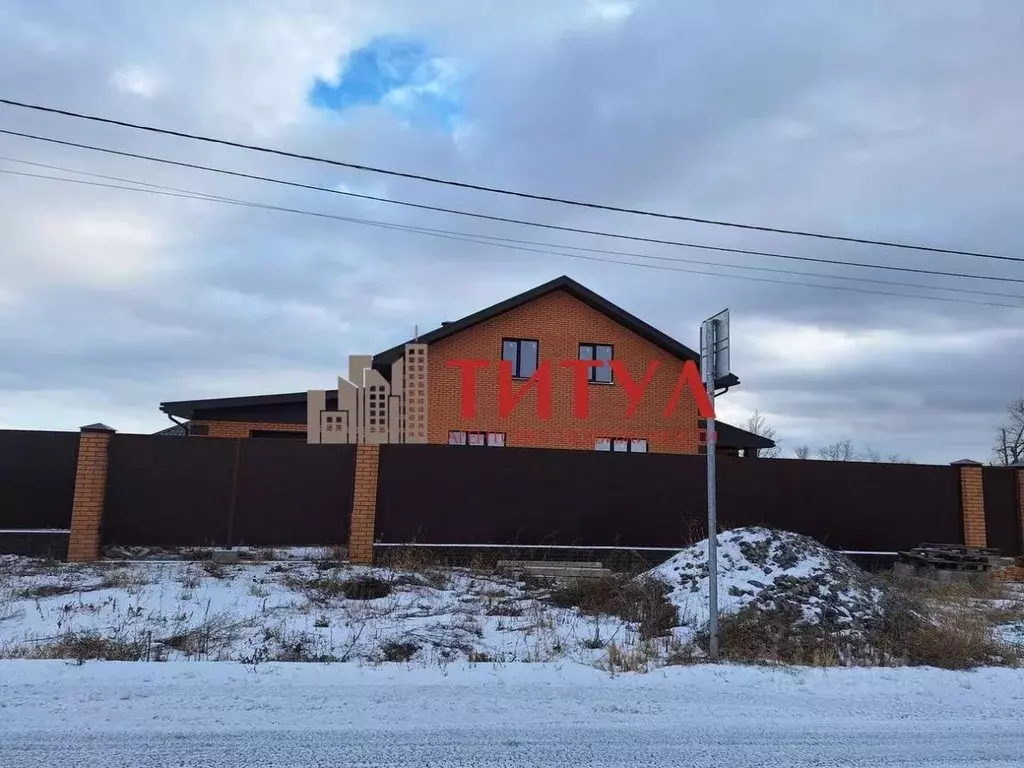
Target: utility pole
x=714, y=364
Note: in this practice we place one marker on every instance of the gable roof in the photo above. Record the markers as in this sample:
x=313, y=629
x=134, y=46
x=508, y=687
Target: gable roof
x=383, y=360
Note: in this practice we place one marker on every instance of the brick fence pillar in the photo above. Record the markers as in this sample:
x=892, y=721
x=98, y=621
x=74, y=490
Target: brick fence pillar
x=1020, y=506
x=90, y=491
x=972, y=502
x=364, y=505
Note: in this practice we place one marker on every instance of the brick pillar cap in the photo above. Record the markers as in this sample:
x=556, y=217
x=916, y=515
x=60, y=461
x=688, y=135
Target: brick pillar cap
x=97, y=427
x=966, y=463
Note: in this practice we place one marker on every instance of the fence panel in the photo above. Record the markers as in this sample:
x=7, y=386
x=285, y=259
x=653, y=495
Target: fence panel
x=291, y=493
x=1002, y=519
x=168, y=491
x=37, y=478
x=468, y=495
x=846, y=505
x=464, y=495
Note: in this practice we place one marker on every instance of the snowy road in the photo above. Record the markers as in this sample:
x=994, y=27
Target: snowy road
x=223, y=714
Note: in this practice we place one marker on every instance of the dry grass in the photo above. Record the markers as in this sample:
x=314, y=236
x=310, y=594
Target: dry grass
x=87, y=646
x=919, y=625
x=322, y=590
x=398, y=650
x=641, y=601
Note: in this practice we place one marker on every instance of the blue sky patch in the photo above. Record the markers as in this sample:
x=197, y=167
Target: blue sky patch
x=400, y=74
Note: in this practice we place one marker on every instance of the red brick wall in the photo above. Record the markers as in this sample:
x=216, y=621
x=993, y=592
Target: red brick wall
x=560, y=322
x=364, y=505
x=90, y=494
x=972, y=497
x=244, y=429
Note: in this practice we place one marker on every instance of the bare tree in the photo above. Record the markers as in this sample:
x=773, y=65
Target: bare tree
x=1009, y=447
x=895, y=458
x=802, y=451
x=870, y=454
x=758, y=424
x=841, y=450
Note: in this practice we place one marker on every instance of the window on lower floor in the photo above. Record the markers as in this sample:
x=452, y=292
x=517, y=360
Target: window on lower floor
x=621, y=444
x=458, y=437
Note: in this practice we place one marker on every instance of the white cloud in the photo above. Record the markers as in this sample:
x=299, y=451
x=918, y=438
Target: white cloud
x=137, y=81
x=851, y=120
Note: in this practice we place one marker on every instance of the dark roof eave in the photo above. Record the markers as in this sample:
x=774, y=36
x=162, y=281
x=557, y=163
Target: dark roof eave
x=383, y=360
x=185, y=408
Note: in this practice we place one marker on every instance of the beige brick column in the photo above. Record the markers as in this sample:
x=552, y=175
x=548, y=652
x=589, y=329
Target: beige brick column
x=972, y=502
x=364, y=505
x=90, y=492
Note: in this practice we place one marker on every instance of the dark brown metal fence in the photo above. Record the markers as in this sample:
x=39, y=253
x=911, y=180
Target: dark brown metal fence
x=293, y=494
x=188, y=491
x=1002, y=522
x=460, y=495
x=37, y=478
x=846, y=505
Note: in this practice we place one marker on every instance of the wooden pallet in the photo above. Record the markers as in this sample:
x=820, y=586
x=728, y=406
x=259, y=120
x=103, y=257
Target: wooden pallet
x=951, y=557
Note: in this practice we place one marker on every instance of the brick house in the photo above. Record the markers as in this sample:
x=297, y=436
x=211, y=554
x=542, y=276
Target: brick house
x=535, y=332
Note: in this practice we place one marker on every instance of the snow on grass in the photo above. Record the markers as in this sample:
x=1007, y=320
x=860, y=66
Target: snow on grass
x=287, y=611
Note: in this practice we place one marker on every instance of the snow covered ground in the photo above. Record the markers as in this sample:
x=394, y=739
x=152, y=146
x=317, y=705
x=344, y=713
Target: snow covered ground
x=116, y=714
x=317, y=609
x=291, y=611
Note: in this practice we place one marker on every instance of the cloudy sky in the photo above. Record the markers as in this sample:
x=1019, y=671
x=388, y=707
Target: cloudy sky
x=871, y=119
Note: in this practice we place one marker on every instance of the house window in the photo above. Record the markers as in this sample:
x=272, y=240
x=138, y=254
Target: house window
x=621, y=444
x=523, y=354
x=600, y=374
x=456, y=438
x=477, y=438
x=496, y=439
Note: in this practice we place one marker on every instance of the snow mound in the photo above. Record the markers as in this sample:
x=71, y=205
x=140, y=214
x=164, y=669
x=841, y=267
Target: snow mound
x=771, y=571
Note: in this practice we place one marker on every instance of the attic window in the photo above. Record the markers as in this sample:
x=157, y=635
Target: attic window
x=601, y=374
x=523, y=354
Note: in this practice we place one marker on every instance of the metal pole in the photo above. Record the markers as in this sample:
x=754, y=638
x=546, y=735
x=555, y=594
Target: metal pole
x=711, y=441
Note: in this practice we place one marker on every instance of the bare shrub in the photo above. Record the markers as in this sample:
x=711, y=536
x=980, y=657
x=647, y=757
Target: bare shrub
x=758, y=636
x=398, y=650
x=195, y=553
x=638, y=658
x=953, y=635
x=88, y=646
x=43, y=591
x=122, y=578
x=503, y=608
x=216, y=570
x=907, y=629
x=324, y=589
x=213, y=638
x=642, y=601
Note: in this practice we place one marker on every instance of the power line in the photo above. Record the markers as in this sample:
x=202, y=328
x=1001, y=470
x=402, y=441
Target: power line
x=507, y=220
x=474, y=239
x=499, y=190
x=469, y=236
